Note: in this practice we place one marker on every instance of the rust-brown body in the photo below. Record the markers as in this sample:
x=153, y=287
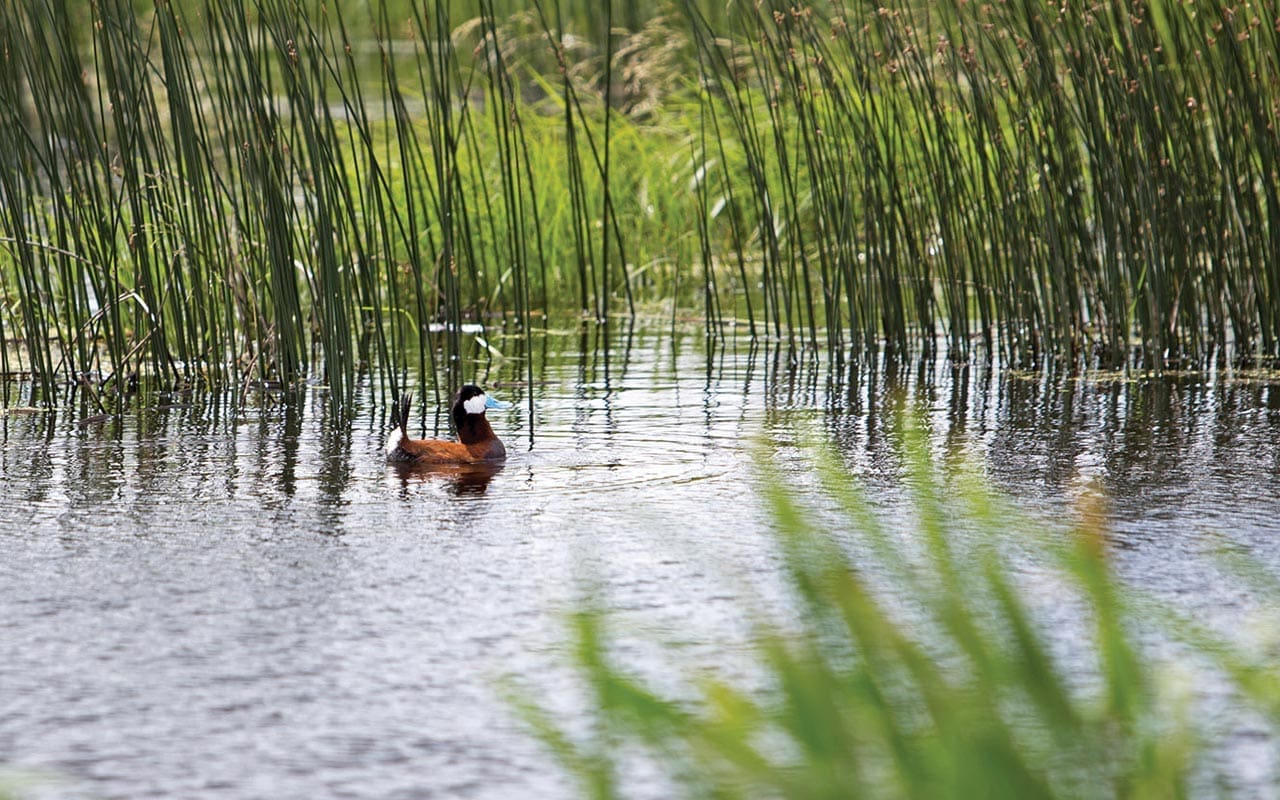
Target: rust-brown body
x=435, y=451
x=476, y=443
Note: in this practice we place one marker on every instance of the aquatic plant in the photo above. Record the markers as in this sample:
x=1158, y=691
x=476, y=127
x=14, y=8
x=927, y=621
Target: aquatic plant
x=17, y=783
x=285, y=190
x=233, y=193
x=931, y=662
x=1049, y=180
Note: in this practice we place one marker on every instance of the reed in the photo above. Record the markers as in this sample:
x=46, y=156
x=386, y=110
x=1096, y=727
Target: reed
x=286, y=190
x=277, y=191
x=924, y=662
x=1074, y=181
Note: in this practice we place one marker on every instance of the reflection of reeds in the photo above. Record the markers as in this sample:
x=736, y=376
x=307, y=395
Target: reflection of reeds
x=248, y=191
x=935, y=661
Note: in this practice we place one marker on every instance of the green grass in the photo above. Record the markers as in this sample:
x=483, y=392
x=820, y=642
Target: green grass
x=277, y=196
x=921, y=663
x=1074, y=181
x=16, y=784
x=224, y=193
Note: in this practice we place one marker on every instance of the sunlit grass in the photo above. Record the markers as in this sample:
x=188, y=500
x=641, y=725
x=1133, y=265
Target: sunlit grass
x=275, y=190
x=935, y=661
x=1066, y=181
x=220, y=197
x=16, y=784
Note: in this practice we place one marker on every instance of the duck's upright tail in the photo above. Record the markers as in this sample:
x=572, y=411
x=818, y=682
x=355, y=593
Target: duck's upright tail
x=399, y=425
x=402, y=422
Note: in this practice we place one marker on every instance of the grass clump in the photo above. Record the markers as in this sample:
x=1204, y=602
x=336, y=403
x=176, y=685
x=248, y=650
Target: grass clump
x=1051, y=180
x=923, y=665
x=274, y=191
x=287, y=190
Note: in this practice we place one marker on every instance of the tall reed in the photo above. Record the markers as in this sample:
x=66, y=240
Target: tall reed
x=1071, y=181
x=280, y=190
x=239, y=192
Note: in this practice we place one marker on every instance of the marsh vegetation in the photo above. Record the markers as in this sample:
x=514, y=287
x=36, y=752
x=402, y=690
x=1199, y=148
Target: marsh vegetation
x=926, y=658
x=233, y=233
x=273, y=191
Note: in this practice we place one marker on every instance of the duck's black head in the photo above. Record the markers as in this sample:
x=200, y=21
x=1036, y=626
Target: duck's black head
x=468, y=417
x=468, y=414
x=471, y=402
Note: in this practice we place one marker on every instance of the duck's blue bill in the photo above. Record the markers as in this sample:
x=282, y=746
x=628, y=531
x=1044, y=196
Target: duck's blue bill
x=490, y=402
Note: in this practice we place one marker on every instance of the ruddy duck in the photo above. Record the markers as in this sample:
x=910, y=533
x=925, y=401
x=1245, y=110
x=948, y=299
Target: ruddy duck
x=476, y=443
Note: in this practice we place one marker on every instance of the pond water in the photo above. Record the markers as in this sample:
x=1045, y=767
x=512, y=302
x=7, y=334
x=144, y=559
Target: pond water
x=199, y=600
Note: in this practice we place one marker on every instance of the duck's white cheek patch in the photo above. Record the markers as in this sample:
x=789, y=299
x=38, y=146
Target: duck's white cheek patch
x=475, y=405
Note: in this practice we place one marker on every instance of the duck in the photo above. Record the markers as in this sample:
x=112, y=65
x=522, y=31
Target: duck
x=477, y=443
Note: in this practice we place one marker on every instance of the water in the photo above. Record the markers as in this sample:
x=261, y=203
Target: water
x=204, y=601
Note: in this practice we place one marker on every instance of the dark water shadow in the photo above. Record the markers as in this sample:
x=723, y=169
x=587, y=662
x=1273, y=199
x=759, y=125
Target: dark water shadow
x=460, y=480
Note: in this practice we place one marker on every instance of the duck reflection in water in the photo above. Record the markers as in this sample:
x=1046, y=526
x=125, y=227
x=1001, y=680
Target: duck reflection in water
x=460, y=480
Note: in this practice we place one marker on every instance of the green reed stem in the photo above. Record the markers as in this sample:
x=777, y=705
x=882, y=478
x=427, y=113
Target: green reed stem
x=270, y=189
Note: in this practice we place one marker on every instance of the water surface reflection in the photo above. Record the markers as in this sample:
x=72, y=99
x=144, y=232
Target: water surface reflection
x=211, y=597
x=460, y=480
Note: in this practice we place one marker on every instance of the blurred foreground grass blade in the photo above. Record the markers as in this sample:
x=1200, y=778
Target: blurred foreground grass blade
x=918, y=665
